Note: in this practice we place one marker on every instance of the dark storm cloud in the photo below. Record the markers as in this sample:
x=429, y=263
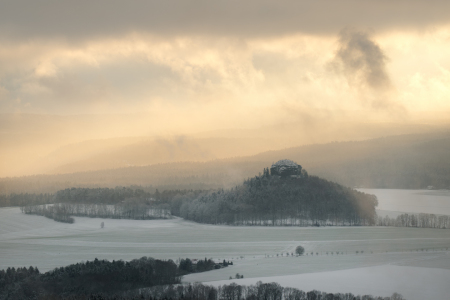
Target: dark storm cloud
x=83, y=19
x=363, y=61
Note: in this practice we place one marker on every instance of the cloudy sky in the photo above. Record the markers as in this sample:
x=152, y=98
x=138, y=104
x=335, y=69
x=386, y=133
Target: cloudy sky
x=214, y=60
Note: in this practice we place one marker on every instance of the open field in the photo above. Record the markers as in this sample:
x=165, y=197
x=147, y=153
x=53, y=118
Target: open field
x=421, y=255
x=278, y=266
x=38, y=241
x=413, y=283
x=412, y=201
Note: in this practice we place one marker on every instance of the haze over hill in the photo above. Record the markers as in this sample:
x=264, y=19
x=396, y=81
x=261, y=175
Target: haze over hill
x=404, y=161
x=223, y=145
x=36, y=144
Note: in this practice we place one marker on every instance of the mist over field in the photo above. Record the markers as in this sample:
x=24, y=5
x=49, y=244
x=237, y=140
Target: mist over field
x=304, y=145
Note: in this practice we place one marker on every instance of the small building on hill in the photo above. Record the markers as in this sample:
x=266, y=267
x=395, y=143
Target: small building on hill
x=285, y=167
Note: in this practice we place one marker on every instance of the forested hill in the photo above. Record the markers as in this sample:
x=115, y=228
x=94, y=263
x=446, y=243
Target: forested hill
x=282, y=200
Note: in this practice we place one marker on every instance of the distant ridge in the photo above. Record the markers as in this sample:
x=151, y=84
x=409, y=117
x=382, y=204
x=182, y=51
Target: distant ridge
x=403, y=161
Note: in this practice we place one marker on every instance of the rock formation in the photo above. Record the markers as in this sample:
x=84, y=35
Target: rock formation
x=285, y=167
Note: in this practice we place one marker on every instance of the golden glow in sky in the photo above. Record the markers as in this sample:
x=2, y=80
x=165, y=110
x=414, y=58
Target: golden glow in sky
x=191, y=66
x=62, y=58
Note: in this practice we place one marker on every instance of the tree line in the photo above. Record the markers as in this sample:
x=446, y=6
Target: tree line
x=118, y=203
x=234, y=291
x=261, y=200
x=259, y=291
x=420, y=220
x=85, y=195
x=134, y=210
x=57, y=212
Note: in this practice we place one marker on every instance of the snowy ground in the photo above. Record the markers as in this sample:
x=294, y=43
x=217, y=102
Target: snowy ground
x=38, y=241
x=412, y=282
x=390, y=254
x=264, y=267
x=414, y=201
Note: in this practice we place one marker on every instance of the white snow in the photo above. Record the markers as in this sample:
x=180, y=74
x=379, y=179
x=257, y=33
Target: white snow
x=412, y=282
x=412, y=201
x=34, y=240
x=404, y=260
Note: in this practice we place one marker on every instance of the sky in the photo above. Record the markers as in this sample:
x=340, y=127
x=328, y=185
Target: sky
x=238, y=57
x=196, y=65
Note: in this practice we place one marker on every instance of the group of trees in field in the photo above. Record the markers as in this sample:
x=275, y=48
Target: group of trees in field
x=57, y=212
x=421, y=220
x=117, y=203
x=277, y=201
x=187, y=265
x=135, y=210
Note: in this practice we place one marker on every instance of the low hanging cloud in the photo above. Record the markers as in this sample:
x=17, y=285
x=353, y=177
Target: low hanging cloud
x=363, y=64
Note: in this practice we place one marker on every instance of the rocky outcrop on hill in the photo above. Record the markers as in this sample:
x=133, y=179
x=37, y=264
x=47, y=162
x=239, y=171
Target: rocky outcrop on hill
x=285, y=167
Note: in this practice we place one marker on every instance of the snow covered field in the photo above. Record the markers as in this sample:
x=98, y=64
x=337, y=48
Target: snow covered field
x=34, y=240
x=413, y=283
x=414, y=201
x=38, y=241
